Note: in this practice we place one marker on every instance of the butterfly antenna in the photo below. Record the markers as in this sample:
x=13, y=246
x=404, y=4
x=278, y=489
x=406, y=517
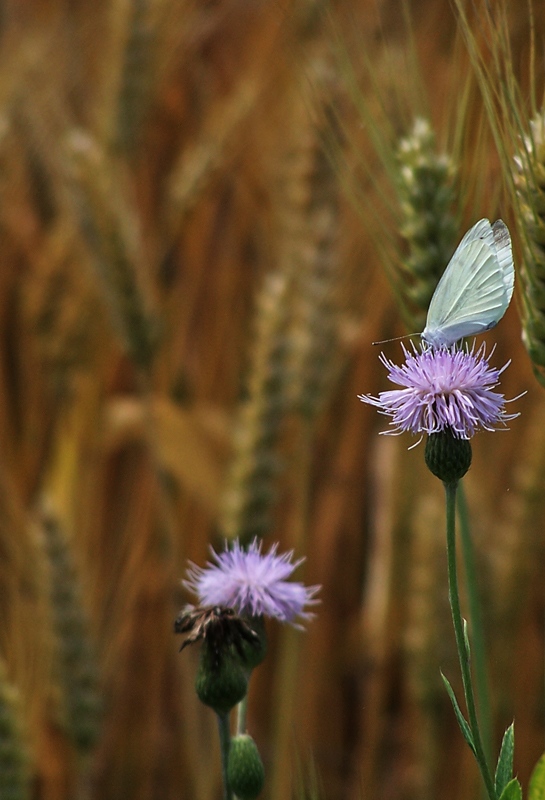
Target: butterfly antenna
x=396, y=338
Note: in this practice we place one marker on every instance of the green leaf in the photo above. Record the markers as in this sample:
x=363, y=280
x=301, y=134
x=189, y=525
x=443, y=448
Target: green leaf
x=504, y=769
x=513, y=791
x=464, y=727
x=536, y=788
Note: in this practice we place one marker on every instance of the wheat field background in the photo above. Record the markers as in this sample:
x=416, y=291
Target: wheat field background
x=197, y=225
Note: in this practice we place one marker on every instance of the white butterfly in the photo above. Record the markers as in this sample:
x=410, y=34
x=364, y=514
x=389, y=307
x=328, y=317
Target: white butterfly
x=475, y=288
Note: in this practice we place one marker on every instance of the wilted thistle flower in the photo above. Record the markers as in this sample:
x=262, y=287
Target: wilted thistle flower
x=448, y=389
x=253, y=583
x=220, y=626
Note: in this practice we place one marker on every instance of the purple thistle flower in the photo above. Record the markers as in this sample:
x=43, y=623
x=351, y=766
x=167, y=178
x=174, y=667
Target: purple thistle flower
x=252, y=583
x=444, y=389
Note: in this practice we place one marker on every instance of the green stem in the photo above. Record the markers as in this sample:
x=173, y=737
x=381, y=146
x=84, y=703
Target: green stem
x=242, y=711
x=478, y=643
x=463, y=654
x=225, y=741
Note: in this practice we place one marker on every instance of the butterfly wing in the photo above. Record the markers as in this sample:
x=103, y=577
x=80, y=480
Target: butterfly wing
x=476, y=287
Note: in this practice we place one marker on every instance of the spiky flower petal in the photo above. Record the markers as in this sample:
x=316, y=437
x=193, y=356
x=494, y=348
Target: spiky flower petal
x=445, y=389
x=253, y=583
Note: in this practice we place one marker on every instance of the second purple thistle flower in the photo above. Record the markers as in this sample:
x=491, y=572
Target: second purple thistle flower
x=253, y=583
x=442, y=389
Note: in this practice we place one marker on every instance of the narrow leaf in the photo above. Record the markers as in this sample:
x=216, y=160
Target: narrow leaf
x=536, y=788
x=464, y=727
x=513, y=791
x=504, y=768
x=466, y=641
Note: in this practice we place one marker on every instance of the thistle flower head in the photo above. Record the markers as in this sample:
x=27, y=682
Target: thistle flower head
x=253, y=583
x=448, y=389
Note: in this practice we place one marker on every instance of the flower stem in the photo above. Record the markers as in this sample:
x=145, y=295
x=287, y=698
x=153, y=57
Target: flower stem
x=478, y=642
x=463, y=654
x=225, y=741
x=242, y=710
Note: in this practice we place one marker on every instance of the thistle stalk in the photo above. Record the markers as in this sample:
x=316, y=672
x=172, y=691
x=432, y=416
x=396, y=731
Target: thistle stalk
x=461, y=640
x=225, y=740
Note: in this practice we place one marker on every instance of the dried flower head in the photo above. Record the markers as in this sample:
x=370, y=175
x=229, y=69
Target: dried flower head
x=449, y=389
x=220, y=627
x=253, y=583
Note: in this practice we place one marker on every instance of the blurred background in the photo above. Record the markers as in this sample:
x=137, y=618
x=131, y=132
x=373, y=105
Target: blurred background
x=207, y=215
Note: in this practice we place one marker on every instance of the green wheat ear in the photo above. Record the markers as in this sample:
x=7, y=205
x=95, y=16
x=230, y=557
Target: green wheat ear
x=110, y=226
x=530, y=188
x=75, y=661
x=309, y=218
x=250, y=490
x=519, y=136
x=14, y=760
x=425, y=189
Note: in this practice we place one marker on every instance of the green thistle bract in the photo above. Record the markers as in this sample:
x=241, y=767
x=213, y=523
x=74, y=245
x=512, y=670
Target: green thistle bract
x=221, y=681
x=245, y=772
x=447, y=456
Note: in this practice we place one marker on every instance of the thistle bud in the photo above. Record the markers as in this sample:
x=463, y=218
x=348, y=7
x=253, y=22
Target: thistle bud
x=221, y=680
x=245, y=773
x=448, y=457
